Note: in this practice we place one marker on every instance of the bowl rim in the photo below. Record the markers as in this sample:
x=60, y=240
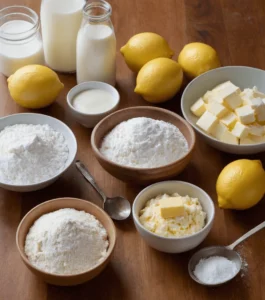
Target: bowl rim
x=207, y=225
x=25, y=258
x=66, y=167
x=128, y=168
x=247, y=146
x=73, y=91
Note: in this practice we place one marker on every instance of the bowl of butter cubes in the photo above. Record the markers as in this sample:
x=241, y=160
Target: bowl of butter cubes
x=226, y=106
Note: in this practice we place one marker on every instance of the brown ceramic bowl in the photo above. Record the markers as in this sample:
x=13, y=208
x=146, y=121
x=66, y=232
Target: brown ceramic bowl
x=142, y=175
x=52, y=205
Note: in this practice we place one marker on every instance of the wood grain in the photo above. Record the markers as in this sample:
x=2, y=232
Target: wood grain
x=236, y=30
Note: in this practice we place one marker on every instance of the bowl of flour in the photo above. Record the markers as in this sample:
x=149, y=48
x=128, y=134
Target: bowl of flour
x=66, y=241
x=143, y=144
x=35, y=150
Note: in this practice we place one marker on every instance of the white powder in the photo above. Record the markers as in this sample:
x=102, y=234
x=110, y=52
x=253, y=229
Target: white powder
x=66, y=241
x=215, y=269
x=144, y=143
x=31, y=153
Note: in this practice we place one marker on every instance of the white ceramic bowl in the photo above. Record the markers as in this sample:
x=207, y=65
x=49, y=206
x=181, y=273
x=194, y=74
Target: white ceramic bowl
x=244, y=77
x=91, y=120
x=169, y=244
x=35, y=119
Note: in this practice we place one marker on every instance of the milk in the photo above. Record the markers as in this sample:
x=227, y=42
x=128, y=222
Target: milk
x=16, y=54
x=94, y=101
x=60, y=21
x=96, y=52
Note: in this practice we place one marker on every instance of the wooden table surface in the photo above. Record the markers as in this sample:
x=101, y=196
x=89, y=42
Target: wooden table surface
x=237, y=30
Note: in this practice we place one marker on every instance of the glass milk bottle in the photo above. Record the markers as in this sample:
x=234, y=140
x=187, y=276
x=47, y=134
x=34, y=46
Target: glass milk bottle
x=96, y=44
x=60, y=22
x=20, y=39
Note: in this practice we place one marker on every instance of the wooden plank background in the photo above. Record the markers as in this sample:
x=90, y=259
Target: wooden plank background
x=136, y=272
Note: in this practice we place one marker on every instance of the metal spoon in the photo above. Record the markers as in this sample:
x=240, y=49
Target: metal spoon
x=225, y=251
x=118, y=208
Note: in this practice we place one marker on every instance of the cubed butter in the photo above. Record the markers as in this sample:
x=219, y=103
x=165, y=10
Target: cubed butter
x=211, y=96
x=256, y=129
x=230, y=95
x=219, y=130
x=172, y=207
x=256, y=103
x=246, y=141
x=247, y=95
x=229, y=120
x=198, y=108
x=207, y=121
x=221, y=86
x=240, y=130
x=246, y=114
x=257, y=93
x=260, y=112
x=229, y=138
x=217, y=109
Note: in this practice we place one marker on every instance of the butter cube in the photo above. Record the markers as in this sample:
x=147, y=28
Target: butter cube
x=221, y=86
x=260, y=111
x=229, y=138
x=256, y=129
x=230, y=94
x=256, y=103
x=229, y=120
x=207, y=121
x=246, y=114
x=172, y=207
x=247, y=95
x=257, y=93
x=219, y=130
x=198, y=108
x=246, y=141
x=240, y=130
x=217, y=109
x=211, y=96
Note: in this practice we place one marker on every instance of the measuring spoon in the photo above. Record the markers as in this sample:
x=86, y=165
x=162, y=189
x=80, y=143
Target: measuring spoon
x=225, y=251
x=118, y=208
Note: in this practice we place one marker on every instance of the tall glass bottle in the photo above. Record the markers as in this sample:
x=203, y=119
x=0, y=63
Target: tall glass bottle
x=96, y=44
x=60, y=22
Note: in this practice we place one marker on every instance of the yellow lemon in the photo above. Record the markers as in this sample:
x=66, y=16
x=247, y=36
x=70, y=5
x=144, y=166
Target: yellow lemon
x=198, y=58
x=159, y=80
x=34, y=86
x=241, y=184
x=143, y=47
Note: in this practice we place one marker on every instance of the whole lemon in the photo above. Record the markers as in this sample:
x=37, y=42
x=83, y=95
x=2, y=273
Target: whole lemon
x=143, y=47
x=241, y=184
x=198, y=58
x=34, y=86
x=159, y=80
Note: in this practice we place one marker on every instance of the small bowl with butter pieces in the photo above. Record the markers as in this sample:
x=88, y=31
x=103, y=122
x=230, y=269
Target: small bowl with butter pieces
x=226, y=106
x=173, y=216
x=89, y=102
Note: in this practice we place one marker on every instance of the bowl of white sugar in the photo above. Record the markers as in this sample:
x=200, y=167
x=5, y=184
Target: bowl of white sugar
x=35, y=150
x=66, y=241
x=143, y=144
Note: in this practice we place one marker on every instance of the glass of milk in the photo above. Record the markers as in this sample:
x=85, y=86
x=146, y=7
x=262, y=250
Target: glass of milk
x=20, y=39
x=96, y=44
x=60, y=22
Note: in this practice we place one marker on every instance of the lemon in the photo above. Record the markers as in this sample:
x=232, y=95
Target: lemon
x=34, y=86
x=198, y=58
x=143, y=47
x=159, y=80
x=241, y=184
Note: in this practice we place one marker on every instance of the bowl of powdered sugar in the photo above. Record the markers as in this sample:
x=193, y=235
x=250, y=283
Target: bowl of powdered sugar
x=66, y=241
x=143, y=144
x=35, y=150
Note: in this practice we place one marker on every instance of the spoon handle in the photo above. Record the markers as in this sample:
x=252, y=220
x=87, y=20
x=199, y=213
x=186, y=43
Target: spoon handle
x=84, y=171
x=246, y=235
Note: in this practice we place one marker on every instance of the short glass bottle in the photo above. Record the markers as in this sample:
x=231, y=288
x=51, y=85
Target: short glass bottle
x=20, y=39
x=96, y=44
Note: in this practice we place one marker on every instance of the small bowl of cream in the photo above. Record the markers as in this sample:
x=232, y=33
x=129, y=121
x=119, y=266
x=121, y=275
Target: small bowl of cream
x=89, y=102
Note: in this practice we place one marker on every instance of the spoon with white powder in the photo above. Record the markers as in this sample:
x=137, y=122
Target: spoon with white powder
x=216, y=265
x=118, y=208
